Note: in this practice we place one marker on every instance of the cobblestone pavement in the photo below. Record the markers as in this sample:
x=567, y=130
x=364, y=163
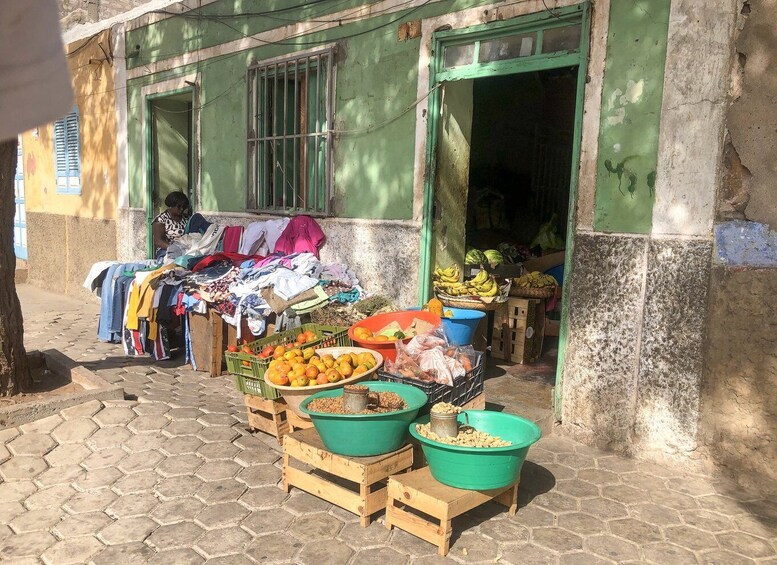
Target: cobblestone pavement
x=172, y=476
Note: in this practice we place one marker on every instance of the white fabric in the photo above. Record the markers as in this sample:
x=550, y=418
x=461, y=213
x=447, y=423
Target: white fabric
x=35, y=83
x=195, y=244
x=90, y=282
x=274, y=230
x=307, y=264
x=259, y=238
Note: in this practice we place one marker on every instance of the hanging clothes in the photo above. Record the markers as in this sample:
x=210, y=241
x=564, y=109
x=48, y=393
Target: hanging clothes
x=233, y=236
x=302, y=235
x=97, y=274
x=260, y=238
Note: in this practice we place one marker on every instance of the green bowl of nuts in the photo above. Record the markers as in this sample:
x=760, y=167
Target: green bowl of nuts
x=472, y=463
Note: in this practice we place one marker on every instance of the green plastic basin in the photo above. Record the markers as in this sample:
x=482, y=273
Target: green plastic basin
x=363, y=435
x=481, y=468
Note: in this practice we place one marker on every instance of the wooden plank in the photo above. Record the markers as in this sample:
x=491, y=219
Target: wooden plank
x=413, y=524
x=297, y=423
x=323, y=489
x=216, y=344
x=276, y=406
x=376, y=501
x=319, y=458
x=477, y=403
x=399, y=461
x=201, y=334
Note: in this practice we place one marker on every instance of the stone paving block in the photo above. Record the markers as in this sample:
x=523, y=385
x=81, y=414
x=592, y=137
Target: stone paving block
x=315, y=526
x=224, y=541
x=67, y=455
x=225, y=490
x=36, y=520
x=668, y=553
x=723, y=557
x=60, y=475
x=758, y=526
x=672, y=499
x=691, y=538
x=387, y=556
x=222, y=515
x=105, y=458
x=624, y=493
x=135, y=552
x=262, y=456
x=50, y=497
x=181, y=445
x=143, y=461
x=303, y=503
x=533, y=517
x=75, y=430
x=583, y=524
x=218, y=450
x=217, y=433
x=263, y=497
x=528, y=554
x=635, y=530
x=217, y=470
x=559, y=472
x=178, y=428
x=655, y=514
x=230, y=560
x=582, y=558
x=145, y=408
x=557, y=539
x=214, y=419
x=504, y=531
x=616, y=464
x=9, y=511
x=260, y=475
x=126, y=506
x=261, y=522
x=93, y=501
x=42, y=426
x=81, y=525
x=185, y=413
x=32, y=544
x=9, y=433
x=746, y=544
x=105, y=438
x=72, y=551
x=323, y=550
x=4, y=453
x=557, y=502
x=145, y=442
x=762, y=507
x=611, y=547
x=35, y=445
x=598, y=477
x=179, y=465
x=114, y=416
x=98, y=478
x=173, y=536
x=127, y=530
x=137, y=483
x=576, y=461
x=643, y=481
x=556, y=444
x=175, y=487
x=177, y=510
x=577, y=488
x=149, y=423
x=178, y=557
x=84, y=410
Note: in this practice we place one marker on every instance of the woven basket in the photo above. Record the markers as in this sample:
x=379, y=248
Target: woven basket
x=470, y=304
x=544, y=292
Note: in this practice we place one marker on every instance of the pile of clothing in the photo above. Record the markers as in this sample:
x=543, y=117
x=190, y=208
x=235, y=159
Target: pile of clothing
x=141, y=302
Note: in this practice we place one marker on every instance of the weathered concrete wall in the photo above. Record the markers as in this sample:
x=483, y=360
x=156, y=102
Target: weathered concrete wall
x=63, y=248
x=74, y=12
x=739, y=413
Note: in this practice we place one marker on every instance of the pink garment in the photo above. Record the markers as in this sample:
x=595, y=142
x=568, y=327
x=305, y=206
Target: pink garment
x=232, y=238
x=302, y=235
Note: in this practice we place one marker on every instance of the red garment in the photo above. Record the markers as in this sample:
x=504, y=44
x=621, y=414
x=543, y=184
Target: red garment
x=236, y=259
x=302, y=235
x=233, y=236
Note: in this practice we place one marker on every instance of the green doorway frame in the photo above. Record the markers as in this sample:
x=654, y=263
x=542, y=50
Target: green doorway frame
x=538, y=23
x=149, y=150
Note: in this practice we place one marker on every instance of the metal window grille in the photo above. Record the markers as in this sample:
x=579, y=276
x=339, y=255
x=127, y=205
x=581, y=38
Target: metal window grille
x=289, y=141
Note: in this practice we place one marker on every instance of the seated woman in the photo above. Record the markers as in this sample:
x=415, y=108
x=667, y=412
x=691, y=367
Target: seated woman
x=170, y=224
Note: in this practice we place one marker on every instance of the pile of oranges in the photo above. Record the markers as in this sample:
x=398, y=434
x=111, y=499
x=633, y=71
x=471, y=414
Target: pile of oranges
x=363, y=334
x=304, y=368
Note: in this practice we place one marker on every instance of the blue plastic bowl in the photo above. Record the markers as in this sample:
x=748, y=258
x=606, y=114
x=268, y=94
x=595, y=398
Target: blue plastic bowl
x=461, y=328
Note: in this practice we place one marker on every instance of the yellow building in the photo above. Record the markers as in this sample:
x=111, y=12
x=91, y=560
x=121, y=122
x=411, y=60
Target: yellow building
x=70, y=174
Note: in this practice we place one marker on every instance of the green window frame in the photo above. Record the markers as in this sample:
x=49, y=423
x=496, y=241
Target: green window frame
x=289, y=137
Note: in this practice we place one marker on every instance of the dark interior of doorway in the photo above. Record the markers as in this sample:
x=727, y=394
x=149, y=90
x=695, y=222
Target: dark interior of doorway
x=171, y=146
x=519, y=179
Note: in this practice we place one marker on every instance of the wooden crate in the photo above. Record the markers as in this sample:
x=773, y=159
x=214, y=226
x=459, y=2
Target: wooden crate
x=519, y=328
x=418, y=491
x=210, y=336
x=365, y=492
x=297, y=423
x=268, y=416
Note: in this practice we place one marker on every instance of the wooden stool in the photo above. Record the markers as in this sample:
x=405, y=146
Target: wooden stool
x=269, y=416
x=297, y=423
x=420, y=491
x=369, y=473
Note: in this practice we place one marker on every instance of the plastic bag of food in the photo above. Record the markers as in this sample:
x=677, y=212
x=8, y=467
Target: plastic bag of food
x=435, y=361
x=547, y=237
x=406, y=366
x=424, y=342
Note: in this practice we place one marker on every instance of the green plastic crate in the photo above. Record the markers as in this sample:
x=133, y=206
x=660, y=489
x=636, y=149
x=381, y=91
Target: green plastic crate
x=253, y=373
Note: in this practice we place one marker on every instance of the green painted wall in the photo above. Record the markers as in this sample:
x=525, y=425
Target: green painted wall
x=631, y=113
x=376, y=81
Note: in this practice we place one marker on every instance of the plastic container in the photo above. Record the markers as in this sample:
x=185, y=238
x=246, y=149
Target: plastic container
x=481, y=468
x=249, y=370
x=463, y=390
x=377, y=323
x=363, y=435
x=294, y=395
x=461, y=327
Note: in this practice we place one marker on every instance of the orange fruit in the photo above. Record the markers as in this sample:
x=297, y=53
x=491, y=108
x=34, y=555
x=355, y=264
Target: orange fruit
x=321, y=379
x=345, y=369
x=311, y=372
x=302, y=338
x=360, y=369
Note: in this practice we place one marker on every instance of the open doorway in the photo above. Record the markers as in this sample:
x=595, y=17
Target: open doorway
x=520, y=163
x=171, y=164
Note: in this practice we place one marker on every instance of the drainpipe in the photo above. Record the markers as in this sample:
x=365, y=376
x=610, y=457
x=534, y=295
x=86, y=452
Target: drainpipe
x=425, y=274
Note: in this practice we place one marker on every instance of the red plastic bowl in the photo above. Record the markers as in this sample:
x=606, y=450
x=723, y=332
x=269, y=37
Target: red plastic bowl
x=376, y=323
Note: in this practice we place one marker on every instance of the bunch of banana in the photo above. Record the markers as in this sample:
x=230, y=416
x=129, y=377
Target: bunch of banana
x=534, y=280
x=483, y=284
x=449, y=275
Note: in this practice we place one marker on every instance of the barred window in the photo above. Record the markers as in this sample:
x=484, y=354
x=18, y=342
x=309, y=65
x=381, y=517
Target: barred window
x=289, y=138
x=67, y=153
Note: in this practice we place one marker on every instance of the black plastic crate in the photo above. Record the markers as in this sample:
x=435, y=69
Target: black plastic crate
x=463, y=390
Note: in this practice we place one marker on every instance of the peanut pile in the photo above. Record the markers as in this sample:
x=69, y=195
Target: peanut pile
x=466, y=438
x=446, y=408
x=387, y=402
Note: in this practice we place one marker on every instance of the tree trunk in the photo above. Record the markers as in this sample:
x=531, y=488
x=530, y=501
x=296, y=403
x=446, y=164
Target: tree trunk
x=14, y=371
